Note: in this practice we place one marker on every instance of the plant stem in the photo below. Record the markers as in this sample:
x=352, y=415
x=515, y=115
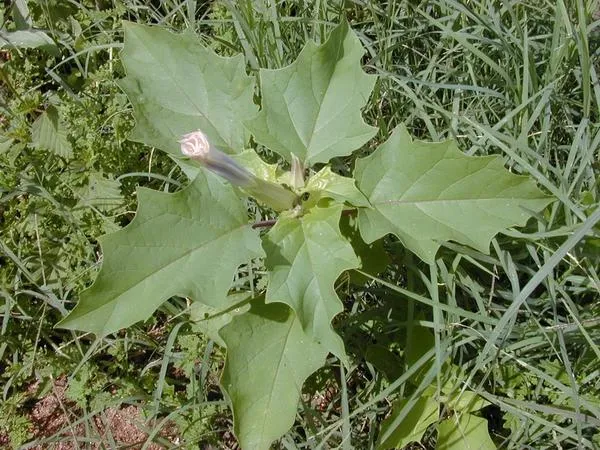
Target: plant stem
x=271, y=222
x=264, y=223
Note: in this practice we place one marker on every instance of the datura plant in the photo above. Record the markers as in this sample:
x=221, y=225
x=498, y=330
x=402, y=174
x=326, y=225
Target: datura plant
x=199, y=108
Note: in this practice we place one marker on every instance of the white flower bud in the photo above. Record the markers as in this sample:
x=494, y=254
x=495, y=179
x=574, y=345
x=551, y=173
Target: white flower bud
x=195, y=145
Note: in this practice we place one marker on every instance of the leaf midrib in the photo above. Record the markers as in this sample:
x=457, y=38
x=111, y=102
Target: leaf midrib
x=276, y=374
x=320, y=104
x=416, y=202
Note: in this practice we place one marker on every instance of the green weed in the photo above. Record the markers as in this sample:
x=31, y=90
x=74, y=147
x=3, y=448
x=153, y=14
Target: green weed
x=517, y=79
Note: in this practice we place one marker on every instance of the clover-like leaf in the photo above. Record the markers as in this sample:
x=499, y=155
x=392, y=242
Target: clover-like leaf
x=269, y=356
x=176, y=86
x=427, y=193
x=326, y=184
x=305, y=256
x=189, y=243
x=311, y=108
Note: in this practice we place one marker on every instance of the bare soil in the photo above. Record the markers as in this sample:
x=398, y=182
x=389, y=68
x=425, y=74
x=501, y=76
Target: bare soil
x=54, y=417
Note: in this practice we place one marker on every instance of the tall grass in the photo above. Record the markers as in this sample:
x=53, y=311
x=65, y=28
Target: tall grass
x=509, y=78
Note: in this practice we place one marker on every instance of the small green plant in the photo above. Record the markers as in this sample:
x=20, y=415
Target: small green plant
x=193, y=242
x=12, y=422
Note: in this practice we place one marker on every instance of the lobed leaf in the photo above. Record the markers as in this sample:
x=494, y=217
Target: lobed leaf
x=176, y=86
x=311, y=108
x=427, y=193
x=269, y=356
x=305, y=256
x=189, y=243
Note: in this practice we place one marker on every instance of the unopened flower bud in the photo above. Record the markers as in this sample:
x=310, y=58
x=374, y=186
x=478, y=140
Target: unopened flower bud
x=197, y=146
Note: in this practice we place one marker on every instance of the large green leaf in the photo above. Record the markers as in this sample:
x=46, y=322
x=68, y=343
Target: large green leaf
x=269, y=357
x=399, y=433
x=464, y=432
x=177, y=86
x=189, y=243
x=311, y=108
x=305, y=256
x=48, y=133
x=427, y=193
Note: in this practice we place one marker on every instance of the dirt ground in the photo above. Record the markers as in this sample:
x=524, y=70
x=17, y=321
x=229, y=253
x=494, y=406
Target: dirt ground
x=53, y=418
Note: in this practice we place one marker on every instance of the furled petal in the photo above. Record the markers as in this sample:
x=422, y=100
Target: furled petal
x=197, y=146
